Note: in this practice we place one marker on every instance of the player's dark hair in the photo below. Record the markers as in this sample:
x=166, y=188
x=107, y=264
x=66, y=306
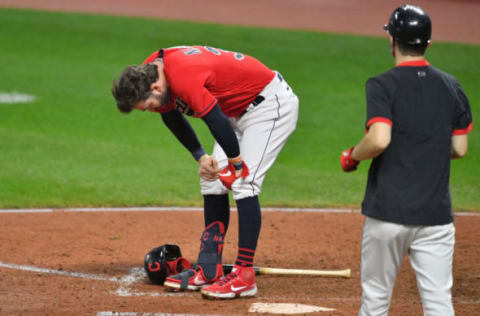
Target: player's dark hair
x=133, y=85
x=411, y=50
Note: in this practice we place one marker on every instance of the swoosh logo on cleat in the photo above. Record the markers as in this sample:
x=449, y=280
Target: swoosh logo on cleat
x=236, y=289
x=198, y=280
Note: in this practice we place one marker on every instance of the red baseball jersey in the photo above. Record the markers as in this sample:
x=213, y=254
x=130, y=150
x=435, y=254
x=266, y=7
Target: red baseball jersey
x=200, y=77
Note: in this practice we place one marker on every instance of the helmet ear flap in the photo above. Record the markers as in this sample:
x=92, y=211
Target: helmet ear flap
x=155, y=263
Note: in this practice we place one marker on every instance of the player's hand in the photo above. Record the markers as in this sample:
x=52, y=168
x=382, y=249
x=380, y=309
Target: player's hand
x=229, y=175
x=208, y=168
x=347, y=162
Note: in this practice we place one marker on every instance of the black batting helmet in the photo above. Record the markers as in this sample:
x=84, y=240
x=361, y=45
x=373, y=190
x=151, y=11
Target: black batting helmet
x=156, y=262
x=410, y=25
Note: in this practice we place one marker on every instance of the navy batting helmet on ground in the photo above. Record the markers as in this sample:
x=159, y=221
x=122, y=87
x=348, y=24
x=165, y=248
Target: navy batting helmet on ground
x=162, y=261
x=410, y=25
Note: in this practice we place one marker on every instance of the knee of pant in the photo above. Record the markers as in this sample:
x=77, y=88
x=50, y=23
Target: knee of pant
x=243, y=189
x=212, y=187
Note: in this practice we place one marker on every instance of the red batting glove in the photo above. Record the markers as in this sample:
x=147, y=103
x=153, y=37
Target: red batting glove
x=228, y=175
x=347, y=162
x=178, y=265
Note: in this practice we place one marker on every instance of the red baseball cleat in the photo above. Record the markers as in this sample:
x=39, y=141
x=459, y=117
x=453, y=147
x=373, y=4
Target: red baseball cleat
x=209, y=267
x=191, y=279
x=239, y=283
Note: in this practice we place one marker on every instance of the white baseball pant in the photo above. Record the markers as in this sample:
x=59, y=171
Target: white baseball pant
x=262, y=132
x=430, y=250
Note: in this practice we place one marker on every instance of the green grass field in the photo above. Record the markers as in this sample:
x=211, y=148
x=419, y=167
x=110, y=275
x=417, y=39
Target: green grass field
x=72, y=147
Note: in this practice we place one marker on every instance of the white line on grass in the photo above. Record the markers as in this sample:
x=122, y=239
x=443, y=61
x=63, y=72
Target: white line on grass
x=166, y=209
x=193, y=209
x=45, y=210
x=15, y=97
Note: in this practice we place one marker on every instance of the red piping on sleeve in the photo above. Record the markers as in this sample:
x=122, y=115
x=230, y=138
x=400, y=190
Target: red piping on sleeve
x=379, y=119
x=463, y=131
x=207, y=109
x=376, y=120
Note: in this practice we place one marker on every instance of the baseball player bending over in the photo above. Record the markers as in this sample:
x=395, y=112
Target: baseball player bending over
x=418, y=118
x=250, y=111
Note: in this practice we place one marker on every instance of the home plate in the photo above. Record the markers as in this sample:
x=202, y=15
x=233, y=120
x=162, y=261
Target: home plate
x=286, y=308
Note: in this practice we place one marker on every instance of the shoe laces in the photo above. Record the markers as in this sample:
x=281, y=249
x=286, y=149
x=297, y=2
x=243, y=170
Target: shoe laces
x=225, y=279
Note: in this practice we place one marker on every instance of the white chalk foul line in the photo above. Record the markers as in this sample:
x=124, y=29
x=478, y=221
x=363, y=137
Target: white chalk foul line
x=135, y=276
x=138, y=274
x=59, y=272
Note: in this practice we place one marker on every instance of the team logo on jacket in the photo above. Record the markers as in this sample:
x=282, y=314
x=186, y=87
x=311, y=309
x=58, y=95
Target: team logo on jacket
x=183, y=107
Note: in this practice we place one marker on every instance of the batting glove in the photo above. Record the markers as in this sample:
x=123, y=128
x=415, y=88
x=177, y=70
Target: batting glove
x=178, y=265
x=228, y=175
x=347, y=162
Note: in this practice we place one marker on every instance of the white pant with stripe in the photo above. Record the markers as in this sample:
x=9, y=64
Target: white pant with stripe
x=430, y=250
x=262, y=132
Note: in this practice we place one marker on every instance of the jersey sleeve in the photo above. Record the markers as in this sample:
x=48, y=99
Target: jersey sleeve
x=463, y=122
x=379, y=108
x=152, y=57
x=190, y=84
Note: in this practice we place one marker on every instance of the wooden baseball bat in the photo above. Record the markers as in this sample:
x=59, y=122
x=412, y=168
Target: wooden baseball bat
x=227, y=268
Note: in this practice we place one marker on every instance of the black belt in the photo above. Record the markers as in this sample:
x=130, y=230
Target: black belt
x=259, y=99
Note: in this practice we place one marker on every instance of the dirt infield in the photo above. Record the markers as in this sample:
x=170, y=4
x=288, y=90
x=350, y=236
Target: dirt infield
x=106, y=251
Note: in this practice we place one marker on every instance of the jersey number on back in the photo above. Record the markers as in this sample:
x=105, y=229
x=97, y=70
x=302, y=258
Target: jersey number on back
x=215, y=51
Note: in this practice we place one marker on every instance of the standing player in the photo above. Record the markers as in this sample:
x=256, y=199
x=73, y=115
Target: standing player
x=250, y=111
x=418, y=118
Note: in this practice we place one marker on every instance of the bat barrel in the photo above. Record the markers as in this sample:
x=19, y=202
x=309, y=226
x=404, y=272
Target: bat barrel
x=227, y=268
x=325, y=273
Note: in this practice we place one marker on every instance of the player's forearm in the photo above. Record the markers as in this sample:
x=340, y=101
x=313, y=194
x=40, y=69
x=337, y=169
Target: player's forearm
x=366, y=149
x=374, y=142
x=369, y=147
x=222, y=131
x=183, y=131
